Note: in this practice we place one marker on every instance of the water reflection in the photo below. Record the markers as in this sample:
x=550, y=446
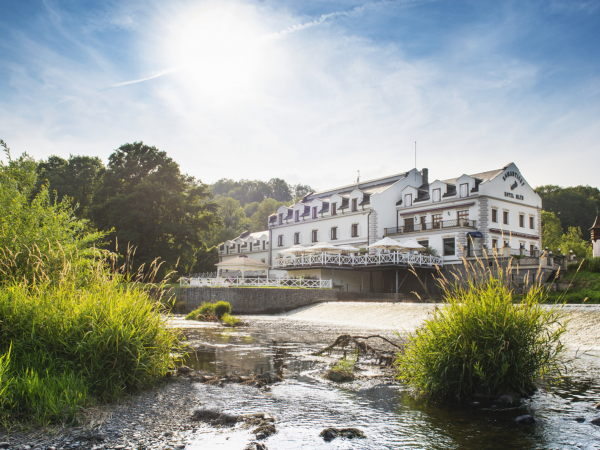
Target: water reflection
x=389, y=416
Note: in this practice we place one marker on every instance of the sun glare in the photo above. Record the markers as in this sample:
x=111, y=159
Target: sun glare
x=219, y=50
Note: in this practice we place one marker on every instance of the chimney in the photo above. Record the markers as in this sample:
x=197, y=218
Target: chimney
x=425, y=175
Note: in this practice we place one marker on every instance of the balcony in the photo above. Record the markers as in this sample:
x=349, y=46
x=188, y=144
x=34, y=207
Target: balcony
x=357, y=261
x=429, y=226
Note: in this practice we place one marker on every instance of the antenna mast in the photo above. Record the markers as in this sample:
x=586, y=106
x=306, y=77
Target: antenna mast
x=357, y=177
x=415, y=160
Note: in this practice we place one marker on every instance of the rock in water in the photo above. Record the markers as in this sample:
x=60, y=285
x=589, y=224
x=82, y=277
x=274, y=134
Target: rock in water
x=597, y=406
x=256, y=446
x=339, y=375
x=264, y=431
x=525, y=420
x=580, y=419
x=329, y=434
x=596, y=422
x=184, y=369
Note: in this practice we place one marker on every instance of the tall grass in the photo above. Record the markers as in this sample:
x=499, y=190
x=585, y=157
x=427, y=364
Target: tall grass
x=72, y=343
x=481, y=343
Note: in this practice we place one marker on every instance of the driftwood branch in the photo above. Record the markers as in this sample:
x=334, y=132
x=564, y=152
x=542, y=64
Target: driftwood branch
x=344, y=341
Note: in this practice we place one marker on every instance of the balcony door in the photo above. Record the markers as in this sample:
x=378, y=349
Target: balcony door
x=409, y=225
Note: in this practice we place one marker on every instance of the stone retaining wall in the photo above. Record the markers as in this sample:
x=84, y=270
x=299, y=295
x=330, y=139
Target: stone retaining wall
x=255, y=300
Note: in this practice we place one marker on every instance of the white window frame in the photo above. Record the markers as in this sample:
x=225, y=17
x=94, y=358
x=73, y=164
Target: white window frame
x=280, y=240
x=333, y=233
x=297, y=238
x=437, y=195
x=464, y=190
x=314, y=212
x=407, y=200
x=297, y=215
x=314, y=235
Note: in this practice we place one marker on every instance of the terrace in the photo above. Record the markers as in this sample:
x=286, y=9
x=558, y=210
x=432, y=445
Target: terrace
x=328, y=260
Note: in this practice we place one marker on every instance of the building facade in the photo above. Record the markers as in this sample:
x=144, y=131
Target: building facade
x=460, y=217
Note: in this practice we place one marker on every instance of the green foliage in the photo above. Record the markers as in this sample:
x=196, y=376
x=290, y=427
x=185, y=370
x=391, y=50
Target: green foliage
x=232, y=321
x=201, y=310
x=75, y=179
x=259, y=220
x=232, y=214
x=153, y=207
x=554, y=238
x=254, y=191
x=346, y=364
x=480, y=342
x=575, y=206
x=39, y=238
x=222, y=308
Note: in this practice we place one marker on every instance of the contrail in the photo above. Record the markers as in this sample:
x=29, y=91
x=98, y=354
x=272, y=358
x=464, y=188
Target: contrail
x=160, y=73
x=293, y=29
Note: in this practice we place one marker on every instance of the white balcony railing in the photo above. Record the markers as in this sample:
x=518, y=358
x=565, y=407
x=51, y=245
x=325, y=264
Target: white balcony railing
x=255, y=282
x=328, y=259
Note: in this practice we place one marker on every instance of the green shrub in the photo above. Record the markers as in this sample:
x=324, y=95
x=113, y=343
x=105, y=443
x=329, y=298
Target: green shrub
x=232, y=321
x=201, y=310
x=479, y=342
x=346, y=364
x=589, y=264
x=222, y=308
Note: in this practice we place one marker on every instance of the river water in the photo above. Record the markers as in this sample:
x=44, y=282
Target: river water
x=305, y=403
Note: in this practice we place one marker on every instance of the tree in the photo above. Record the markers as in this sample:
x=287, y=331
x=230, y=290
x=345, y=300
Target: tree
x=259, y=219
x=301, y=190
x=146, y=202
x=555, y=239
x=233, y=214
x=76, y=179
x=551, y=231
x=280, y=190
x=251, y=208
x=574, y=206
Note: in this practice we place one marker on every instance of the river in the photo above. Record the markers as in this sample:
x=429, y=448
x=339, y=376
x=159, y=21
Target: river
x=304, y=403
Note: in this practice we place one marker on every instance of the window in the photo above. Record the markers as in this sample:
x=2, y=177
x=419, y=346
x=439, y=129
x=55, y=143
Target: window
x=297, y=216
x=238, y=248
x=354, y=204
x=354, y=230
x=423, y=223
x=531, y=249
x=463, y=217
x=464, y=190
x=409, y=225
x=437, y=220
x=334, y=233
x=314, y=212
x=296, y=238
x=262, y=260
x=424, y=243
x=334, y=209
x=280, y=219
x=505, y=217
x=227, y=249
x=494, y=215
x=522, y=220
x=449, y=247
x=532, y=222
x=263, y=245
x=437, y=195
x=408, y=200
x=280, y=240
x=250, y=246
x=494, y=243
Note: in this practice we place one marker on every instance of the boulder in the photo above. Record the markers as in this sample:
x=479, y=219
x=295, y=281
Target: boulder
x=506, y=399
x=339, y=375
x=264, y=431
x=183, y=370
x=597, y=406
x=214, y=417
x=580, y=419
x=525, y=420
x=329, y=434
x=596, y=421
x=256, y=446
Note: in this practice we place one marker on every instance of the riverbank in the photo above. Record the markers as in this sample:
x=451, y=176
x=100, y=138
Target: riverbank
x=304, y=403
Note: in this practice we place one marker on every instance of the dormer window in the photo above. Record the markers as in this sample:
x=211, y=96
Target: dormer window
x=334, y=209
x=437, y=195
x=408, y=200
x=354, y=204
x=314, y=212
x=297, y=216
x=464, y=190
x=281, y=219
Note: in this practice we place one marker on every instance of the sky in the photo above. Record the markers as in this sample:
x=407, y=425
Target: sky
x=309, y=91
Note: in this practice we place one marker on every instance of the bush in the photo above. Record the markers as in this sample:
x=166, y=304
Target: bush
x=479, y=342
x=80, y=345
x=232, y=321
x=589, y=264
x=201, y=311
x=222, y=308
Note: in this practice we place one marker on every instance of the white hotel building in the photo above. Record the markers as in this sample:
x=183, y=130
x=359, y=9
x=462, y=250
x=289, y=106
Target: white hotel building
x=458, y=217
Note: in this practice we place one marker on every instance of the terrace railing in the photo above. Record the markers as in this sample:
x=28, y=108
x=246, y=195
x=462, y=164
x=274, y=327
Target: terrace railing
x=255, y=282
x=329, y=259
x=428, y=226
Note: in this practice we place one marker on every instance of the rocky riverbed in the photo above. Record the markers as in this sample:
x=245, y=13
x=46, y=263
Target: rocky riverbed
x=302, y=404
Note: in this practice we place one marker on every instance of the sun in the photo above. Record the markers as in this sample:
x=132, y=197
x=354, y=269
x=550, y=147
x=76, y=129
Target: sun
x=219, y=51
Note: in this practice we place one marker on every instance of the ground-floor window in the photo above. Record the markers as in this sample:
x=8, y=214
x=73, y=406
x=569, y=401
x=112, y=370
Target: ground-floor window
x=280, y=240
x=354, y=230
x=333, y=233
x=449, y=247
x=315, y=236
x=296, y=238
x=424, y=243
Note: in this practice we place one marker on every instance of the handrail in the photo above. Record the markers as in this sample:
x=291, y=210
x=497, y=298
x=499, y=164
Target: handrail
x=437, y=225
x=256, y=282
x=329, y=259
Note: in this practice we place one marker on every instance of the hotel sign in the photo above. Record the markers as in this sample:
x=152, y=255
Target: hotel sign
x=514, y=185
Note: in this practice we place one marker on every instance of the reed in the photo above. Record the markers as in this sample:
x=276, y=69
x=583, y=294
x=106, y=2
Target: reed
x=480, y=343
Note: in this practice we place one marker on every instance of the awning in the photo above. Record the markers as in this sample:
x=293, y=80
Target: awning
x=475, y=234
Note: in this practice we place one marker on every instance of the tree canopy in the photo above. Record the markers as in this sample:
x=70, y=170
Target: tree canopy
x=145, y=201
x=255, y=191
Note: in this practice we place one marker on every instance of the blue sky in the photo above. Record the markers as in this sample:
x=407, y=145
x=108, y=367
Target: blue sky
x=309, y=91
